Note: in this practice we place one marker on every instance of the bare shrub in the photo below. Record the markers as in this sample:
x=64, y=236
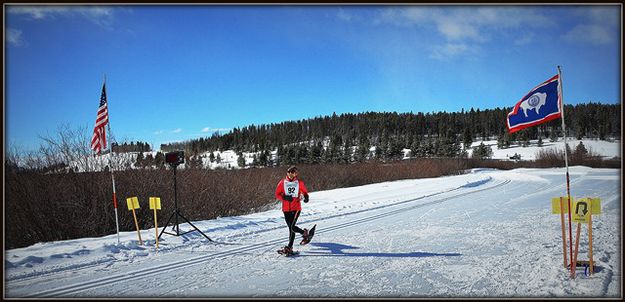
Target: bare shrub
x=56, y=206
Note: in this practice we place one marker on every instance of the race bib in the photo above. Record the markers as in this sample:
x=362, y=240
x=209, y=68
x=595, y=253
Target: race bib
x=291, y=188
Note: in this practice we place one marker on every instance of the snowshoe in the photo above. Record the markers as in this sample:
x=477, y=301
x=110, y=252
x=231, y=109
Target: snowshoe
x=287, y=251
x=308, y=235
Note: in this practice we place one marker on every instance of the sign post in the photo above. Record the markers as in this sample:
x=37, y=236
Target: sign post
x=559, y=207
x=155, y=204
x=133, y=203
x=584, y=208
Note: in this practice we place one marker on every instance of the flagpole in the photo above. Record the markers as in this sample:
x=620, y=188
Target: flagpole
x=108, y=125
x=566, y=163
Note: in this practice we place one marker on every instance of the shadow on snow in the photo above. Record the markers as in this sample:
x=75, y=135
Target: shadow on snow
x=335, y=249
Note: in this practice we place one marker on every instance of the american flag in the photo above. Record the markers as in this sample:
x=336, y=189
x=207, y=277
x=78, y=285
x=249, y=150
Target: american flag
x=98, y=141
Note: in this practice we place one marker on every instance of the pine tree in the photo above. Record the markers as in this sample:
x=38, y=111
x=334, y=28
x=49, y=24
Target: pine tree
x=362, y=153
x=394, y=150
x=268, y=159
x=302, y=154
x=553, y=135
x=240, y=160
x=280, y=155
x=316, y=153
x=580, y=153
x=379, y=153
x=211, y=157
x=159, y=159
x=139, y=160
x=415, y=148
x=482, y=151
x=148, y=161
x=467, y=138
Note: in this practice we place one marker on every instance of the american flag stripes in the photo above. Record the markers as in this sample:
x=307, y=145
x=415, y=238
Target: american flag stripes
x=98, y=141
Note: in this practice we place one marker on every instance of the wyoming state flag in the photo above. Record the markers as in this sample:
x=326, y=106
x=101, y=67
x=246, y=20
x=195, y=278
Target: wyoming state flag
x=541, y=104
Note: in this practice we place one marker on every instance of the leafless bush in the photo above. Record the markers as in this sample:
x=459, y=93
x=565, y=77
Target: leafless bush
x=55, y=206
x=583, y=156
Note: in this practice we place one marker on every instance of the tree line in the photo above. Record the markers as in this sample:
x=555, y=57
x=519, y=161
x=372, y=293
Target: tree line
x=349, y=137
x=131, y=147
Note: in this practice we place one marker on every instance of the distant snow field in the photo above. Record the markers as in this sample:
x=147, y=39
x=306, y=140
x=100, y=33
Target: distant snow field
x=605, y=149
x=229, y=158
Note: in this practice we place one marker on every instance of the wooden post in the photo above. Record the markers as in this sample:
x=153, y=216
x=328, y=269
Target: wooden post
x=590, y=262
x=155, y=204
x=133, y=203
x=574, y=260
x=156, y=226
x=137, y=225
x=563, y=232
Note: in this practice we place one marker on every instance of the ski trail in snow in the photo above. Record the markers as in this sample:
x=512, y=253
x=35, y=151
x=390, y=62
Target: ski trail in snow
x=75, y=288
x=485, y=234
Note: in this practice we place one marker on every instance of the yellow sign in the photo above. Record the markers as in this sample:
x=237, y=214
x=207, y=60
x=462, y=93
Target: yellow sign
x=582, y=210
x=595, y=206
x=133, y=203
x=555, y=205
x=155, y=203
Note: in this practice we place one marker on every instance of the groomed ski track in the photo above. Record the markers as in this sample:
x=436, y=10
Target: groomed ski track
x=362, y=237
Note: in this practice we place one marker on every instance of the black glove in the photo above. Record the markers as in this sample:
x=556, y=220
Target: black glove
x=305, y=198
x=287, y=197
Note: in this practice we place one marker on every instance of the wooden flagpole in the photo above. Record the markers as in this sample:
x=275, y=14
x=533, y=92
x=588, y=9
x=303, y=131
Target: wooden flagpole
x=108, y=124
x=566, y=162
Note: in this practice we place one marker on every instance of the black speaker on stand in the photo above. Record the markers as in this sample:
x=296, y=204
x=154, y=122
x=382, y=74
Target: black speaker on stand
x=174, y=159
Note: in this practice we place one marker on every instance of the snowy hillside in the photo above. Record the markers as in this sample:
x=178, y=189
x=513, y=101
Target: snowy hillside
x=487, y=233
x=229, y=159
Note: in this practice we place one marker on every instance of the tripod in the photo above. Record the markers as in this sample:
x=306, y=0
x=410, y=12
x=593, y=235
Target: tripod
x=177, y=214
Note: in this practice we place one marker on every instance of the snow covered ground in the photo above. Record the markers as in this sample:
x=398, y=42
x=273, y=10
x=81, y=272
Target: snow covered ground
x=487, y=233
x=605, y=149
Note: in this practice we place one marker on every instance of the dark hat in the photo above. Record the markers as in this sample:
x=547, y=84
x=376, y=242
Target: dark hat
x=292, y=169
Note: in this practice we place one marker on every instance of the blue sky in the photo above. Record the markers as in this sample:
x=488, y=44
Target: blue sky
x=181, y=72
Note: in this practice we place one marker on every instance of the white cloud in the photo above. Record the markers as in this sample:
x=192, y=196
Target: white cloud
x=599, y=26
x=405, y=16
x=100, y=15
x=449, y=50
x=14, y=37
x=604, y=14
x=159, y=132
x=465, y=28
x=452, y=29
x=343, y=15
x=589, y=33
x=213, y=130
x=176, y=130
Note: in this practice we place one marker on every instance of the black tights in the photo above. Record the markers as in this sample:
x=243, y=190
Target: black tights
x=291, y=219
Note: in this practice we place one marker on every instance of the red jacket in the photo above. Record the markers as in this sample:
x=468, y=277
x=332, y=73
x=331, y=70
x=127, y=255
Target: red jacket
x=293, y=187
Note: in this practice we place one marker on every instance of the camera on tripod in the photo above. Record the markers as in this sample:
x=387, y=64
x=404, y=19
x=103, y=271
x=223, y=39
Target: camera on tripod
x=174, y=158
